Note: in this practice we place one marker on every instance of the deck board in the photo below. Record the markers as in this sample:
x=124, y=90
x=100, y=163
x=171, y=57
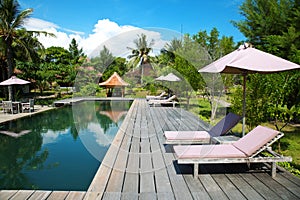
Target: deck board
x=139, y=165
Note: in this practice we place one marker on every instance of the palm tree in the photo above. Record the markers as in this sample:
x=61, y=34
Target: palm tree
x=11, y=20
x=139, y=56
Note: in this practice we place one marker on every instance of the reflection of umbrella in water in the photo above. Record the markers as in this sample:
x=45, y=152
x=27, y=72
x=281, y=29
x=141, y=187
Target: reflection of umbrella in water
x=16, y=135
x=115, y=116
x=246, y=60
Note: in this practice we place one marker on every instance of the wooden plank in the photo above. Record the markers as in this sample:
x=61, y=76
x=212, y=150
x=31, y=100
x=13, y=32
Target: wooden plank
x=115, y=181
x=58, y=195
x=6, y=194
x=129, y=196
x=179, y=186
x=111, y=195
x=147, y=195
x=39, y=195
x=228, y=188
x=197, y=189
x=289, y=184
x=75, y=195
x=22, y=194
x=247, y=190
x=213, y=189
x=260, y=187
x=165, y=196
x=131, y=180
x=282, y=192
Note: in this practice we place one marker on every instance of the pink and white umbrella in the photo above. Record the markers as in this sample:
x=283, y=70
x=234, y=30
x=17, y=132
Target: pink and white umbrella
x=14, y=81
x=246, y=60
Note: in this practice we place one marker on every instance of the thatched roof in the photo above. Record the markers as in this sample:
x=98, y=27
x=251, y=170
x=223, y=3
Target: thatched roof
x=114, y=81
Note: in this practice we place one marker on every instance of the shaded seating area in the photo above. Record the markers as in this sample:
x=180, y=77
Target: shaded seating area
x=248, y=150
x=115, y=86
x=203, y=137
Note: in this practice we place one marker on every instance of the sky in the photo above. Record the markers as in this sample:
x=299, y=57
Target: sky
x=94, y=23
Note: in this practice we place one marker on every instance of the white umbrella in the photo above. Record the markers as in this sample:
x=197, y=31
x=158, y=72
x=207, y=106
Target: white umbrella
x=14, y=81
x=171, y=77
x=247, y=60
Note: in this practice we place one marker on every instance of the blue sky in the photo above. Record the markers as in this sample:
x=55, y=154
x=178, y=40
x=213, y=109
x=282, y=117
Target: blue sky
x=83, y=19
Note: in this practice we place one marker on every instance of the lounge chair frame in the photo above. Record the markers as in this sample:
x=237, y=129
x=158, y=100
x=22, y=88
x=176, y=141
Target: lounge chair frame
x=255, y=158
x=206, y=140
x=170, y=101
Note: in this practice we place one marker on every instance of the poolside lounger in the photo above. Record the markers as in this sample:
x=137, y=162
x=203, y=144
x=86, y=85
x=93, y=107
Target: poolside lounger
x=203, y=137
x=159, y=97
x=245, y=150
x=170, y=101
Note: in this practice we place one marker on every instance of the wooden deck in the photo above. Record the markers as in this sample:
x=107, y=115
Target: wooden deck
x=138, y=165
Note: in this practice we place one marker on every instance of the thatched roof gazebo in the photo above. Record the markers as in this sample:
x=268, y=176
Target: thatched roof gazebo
x=115, y=81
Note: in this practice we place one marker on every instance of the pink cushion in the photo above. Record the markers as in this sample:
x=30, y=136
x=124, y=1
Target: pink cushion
x=208, y=151
x=186, y=135
x=255, y=139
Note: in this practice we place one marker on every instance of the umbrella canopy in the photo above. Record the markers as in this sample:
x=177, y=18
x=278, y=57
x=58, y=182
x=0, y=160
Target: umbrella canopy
x=14, y=81
x=160, y=78
x=249, y=60
x=170, y=77
x=245, y=60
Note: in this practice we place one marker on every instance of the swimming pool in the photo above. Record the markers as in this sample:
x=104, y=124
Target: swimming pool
x=63, y=149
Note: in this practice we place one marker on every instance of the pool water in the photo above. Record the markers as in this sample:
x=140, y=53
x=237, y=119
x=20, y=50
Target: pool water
x=63, y=149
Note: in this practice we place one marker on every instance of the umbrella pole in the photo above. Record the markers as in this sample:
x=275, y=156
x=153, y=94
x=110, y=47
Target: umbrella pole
x=244, y=103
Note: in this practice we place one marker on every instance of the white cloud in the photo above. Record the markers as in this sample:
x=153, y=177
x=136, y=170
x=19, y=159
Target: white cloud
x=115, y=37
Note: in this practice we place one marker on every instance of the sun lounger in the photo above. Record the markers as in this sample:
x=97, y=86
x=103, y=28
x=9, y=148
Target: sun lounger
x=245, y=150
x=170, y=101
x=203, y=137
x=159, y=97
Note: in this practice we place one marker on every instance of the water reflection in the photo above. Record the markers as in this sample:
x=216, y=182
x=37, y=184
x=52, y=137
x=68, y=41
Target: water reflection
x=51, y=156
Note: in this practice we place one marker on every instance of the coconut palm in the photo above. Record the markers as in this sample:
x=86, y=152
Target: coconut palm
x=11, y=20
x=140, y=54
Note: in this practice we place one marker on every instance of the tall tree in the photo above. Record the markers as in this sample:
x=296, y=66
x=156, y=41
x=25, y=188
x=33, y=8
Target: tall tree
x=77, y=55
x=140, y=54
x=104, y=59
x=272, y=26
x=11, y=19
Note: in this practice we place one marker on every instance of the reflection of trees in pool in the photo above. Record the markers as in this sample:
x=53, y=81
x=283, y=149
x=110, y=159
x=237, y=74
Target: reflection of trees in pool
x=18, y=154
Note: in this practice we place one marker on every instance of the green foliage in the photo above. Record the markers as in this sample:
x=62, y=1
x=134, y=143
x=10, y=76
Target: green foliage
x=103, y=61
x=281, y=36
x=290, y=168
x=89, y=90
x=76, y=54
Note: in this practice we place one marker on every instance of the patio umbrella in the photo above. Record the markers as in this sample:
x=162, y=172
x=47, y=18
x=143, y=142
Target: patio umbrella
x=160, y=78
x=246, y=60
x=14, y=81
x=169, y=77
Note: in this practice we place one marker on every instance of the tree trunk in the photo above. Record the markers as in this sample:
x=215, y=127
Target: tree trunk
x=10, y=66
